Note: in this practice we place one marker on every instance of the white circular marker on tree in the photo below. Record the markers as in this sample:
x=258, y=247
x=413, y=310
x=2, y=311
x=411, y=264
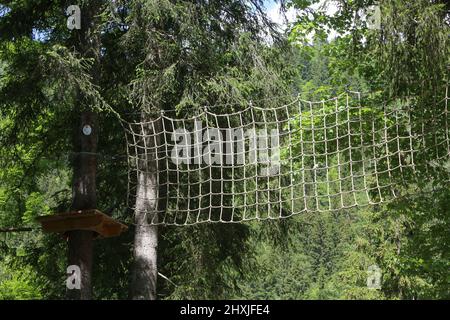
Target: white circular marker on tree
x=87, y=130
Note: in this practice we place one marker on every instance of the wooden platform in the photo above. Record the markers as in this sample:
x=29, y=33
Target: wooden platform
x=91, y=220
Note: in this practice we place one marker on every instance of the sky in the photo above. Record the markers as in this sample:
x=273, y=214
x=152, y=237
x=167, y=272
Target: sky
x=273, y=11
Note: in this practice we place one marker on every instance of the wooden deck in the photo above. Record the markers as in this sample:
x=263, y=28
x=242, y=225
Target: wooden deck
x=91, y=220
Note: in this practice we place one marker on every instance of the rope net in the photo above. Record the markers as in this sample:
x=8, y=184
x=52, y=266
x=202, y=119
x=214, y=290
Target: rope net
x=264, y=163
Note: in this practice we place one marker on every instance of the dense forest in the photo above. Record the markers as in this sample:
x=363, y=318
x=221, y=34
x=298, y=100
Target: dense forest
x=136, y=58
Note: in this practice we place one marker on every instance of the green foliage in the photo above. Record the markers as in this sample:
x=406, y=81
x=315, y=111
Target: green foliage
x=19, y=284
x=164, y=55
x=407, y=57
x=154, y=55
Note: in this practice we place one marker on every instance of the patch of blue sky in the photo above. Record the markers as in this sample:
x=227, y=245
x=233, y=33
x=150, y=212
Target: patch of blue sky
x=41, y=35
x=4, y=10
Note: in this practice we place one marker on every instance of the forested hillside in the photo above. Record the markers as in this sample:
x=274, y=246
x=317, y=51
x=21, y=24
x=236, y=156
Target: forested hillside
x=139, y=59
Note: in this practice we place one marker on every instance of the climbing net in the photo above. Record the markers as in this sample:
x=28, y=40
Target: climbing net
x=263, y=163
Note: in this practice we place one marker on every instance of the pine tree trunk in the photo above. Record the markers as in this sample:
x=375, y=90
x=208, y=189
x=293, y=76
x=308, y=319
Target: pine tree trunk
x=80, y=243
x=145, y=272
x=86, y=41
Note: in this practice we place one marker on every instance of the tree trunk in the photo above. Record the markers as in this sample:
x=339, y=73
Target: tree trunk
x=86, y=41
x=145, y=272
x=84, y=197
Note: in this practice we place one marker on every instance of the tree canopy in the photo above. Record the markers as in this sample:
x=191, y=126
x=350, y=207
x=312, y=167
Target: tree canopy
x=148, y=56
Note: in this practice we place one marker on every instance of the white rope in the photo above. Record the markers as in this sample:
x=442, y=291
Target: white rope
x=305, y=156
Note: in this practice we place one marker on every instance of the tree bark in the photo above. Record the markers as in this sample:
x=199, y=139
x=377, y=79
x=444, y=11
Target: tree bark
x=84, y=197
x=145, y=272
x=86, y=41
